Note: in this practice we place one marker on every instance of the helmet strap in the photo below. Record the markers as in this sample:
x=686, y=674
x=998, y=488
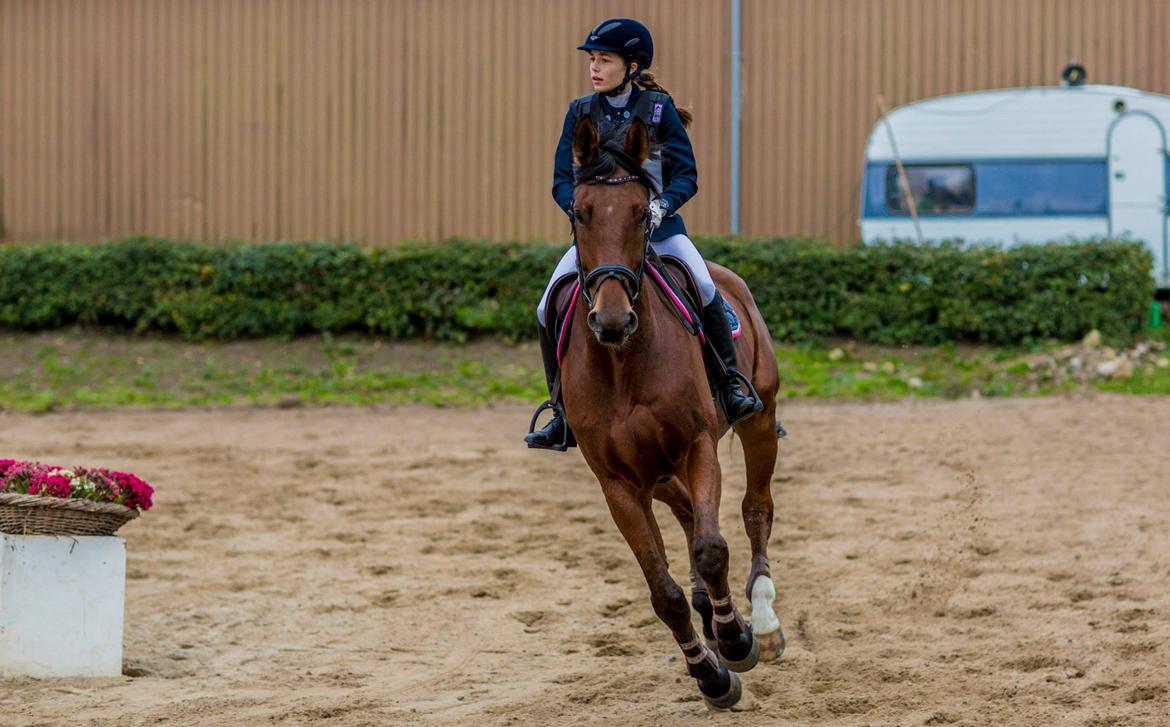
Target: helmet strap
x=625, y=79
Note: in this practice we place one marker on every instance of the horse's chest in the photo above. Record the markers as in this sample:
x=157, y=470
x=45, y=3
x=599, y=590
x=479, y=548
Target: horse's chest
x=641, y=441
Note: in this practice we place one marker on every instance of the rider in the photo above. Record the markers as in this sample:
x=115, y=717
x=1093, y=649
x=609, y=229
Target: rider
x=620, y=53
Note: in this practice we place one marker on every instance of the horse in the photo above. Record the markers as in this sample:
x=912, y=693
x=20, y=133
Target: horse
x=636, y=396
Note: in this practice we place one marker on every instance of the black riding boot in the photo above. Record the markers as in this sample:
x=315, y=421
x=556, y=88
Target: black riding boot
x=556, y=434
x=736, y=405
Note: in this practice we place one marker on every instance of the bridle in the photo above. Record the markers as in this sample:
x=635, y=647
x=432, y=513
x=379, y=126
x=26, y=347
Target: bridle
x=631, y=280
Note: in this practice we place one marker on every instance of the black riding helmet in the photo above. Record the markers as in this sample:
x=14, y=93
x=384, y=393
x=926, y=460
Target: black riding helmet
x=626, y=37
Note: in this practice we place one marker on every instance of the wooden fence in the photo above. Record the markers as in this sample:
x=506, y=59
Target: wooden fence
x=379, y=120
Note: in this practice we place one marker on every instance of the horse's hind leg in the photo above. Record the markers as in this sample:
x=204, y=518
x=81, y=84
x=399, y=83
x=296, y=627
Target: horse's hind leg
x=759, y=446
x=632, y=514
x=672, y=492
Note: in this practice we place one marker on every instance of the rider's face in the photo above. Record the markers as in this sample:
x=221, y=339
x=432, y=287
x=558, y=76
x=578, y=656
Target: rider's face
x=606, y=70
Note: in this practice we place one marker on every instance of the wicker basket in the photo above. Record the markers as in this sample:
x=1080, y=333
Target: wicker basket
x=36, y=515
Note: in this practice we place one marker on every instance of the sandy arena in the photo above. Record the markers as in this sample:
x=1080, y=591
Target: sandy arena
x=977, y=562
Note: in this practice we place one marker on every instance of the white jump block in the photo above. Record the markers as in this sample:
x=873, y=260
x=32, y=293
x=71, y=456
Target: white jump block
x=61, y=605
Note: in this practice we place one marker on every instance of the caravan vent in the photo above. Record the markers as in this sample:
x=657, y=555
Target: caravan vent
x=1074, y=74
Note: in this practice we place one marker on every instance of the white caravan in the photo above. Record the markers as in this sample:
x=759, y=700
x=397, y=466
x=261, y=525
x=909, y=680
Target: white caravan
x=1023, y=165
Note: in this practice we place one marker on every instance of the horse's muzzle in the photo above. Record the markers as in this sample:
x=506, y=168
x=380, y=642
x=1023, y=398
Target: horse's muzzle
x=613, y=330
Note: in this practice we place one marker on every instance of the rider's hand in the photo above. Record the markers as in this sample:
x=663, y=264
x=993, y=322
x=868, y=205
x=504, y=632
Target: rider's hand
x=658, y=208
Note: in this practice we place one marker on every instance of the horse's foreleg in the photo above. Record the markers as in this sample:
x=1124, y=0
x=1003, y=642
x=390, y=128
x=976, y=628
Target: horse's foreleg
x=759, y=446
x=737, y=647
x=632, y=514
x=678, y=499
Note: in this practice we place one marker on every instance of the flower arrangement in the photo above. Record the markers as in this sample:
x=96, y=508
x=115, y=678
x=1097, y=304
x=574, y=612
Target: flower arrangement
x=95, y=484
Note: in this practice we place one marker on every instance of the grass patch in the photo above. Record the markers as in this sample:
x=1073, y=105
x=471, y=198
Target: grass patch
x=77, y=369
x=80, y=369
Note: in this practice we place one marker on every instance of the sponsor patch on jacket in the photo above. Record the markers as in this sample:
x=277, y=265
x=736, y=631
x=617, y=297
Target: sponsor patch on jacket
x=657, y=115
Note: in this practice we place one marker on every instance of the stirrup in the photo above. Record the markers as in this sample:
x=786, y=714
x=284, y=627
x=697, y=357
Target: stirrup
x=566, y=441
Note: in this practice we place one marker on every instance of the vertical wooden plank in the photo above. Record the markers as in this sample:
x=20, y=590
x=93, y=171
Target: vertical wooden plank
x=244, y=164
x=128, y=118
x=383, y=194
x=284, y=162
x=7, y=166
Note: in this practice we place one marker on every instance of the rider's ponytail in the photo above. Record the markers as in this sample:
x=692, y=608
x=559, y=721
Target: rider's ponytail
x=647, y=81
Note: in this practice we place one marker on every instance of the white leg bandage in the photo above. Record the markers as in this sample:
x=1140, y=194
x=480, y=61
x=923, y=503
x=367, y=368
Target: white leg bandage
x=764, y=619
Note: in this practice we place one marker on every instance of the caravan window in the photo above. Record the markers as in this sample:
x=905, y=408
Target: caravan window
x=936, y=189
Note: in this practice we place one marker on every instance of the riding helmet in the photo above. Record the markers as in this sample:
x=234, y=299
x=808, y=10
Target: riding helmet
x=624, y=36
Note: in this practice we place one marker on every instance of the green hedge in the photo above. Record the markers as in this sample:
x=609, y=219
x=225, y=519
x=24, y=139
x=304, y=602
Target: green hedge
x=888, y=294
x=906, y=293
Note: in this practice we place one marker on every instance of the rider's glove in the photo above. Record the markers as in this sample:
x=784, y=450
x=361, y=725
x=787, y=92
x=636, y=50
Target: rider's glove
x=658, y=210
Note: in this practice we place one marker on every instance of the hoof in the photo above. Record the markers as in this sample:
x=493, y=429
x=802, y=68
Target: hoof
x=771, y=645
x=747, y=662
x=731, y=698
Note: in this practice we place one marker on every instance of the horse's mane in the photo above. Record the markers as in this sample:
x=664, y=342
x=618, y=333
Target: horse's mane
x=610, y=158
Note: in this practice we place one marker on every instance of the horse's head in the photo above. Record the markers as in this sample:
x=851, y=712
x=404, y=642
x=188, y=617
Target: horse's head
x=610, y=221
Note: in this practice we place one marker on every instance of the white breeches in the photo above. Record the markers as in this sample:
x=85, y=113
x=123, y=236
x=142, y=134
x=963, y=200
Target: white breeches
x=677, y=246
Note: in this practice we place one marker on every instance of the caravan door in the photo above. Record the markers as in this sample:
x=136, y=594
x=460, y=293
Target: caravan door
x=1137, y=185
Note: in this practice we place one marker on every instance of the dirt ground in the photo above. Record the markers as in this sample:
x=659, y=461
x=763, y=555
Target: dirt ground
x=977, y=562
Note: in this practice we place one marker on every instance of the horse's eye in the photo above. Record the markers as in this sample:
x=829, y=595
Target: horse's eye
x=577, y=215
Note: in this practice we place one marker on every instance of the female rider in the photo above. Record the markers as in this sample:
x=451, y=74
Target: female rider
x=621, y=51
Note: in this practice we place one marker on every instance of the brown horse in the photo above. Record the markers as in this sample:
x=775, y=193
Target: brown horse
x=636, y=397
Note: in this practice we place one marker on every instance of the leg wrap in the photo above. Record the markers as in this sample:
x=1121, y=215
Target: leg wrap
x=705, y=653
x=728, y=612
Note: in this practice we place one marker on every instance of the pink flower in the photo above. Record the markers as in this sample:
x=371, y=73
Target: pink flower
x=54, y=485
x=19, y=476
x=58, y=486
x=93, y=483
x=140, y=493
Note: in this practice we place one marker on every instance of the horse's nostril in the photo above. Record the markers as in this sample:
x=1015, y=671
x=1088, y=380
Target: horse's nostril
x=631, y=322
x=594, y=321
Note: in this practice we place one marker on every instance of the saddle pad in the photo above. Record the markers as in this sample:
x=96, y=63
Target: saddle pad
x=559, y=311
x=732, y=320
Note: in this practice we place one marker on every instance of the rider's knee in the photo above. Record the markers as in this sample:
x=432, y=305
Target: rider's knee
x=707, y=290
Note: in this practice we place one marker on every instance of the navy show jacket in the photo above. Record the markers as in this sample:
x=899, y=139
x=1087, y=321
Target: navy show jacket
x=679, y=173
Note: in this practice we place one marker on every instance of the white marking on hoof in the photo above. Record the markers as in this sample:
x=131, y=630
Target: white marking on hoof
x=764, y=619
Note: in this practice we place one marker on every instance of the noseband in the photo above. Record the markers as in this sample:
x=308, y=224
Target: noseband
x=631, y=280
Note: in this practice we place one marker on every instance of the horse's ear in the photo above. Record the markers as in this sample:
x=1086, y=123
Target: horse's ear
x=585, y=142
x=637, y=141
